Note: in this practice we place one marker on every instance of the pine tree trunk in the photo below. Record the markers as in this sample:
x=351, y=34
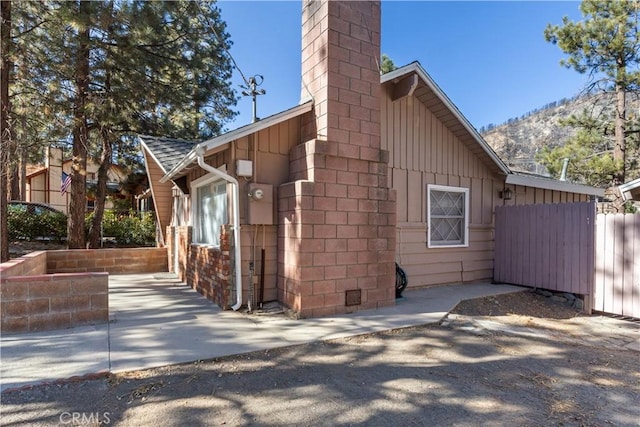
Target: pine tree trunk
x=21, y=152
x=23, y=172
x=101, y=192
x=619, y=148
x=5, y=134
x=619, y=145
x=77, y=205
x=14, y=176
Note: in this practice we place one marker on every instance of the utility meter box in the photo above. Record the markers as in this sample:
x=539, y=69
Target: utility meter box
x=260, y=204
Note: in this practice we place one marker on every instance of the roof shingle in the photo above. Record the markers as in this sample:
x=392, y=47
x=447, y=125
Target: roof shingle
x=167, y=151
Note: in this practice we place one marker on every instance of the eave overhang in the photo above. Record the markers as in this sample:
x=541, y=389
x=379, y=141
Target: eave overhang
x=552, y=184
x=221, y=142
x=430, y=94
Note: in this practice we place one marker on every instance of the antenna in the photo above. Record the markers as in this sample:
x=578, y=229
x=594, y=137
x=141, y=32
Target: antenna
x=252, y=90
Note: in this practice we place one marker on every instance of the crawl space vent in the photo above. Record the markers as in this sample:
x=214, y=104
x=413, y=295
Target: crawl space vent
x=353, y=297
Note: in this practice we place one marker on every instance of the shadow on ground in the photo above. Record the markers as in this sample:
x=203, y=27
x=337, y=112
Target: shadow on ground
x=437, y=375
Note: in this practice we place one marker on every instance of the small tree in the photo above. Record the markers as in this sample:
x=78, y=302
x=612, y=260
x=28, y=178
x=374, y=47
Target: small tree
x=386, y=64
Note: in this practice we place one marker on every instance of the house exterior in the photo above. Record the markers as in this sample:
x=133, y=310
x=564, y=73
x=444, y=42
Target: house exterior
x=43, y=183
x=314, y=205
x=433, y=148
x=630, y=190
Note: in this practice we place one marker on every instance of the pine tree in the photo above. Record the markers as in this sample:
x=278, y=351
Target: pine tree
x=386, y=64
x=124, y=67
x=5, y=133
x=606, y=44
x=588, y=153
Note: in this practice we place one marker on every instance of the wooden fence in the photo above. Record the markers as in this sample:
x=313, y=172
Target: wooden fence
x=617, y=271
x=568, y=248
x=546, y=246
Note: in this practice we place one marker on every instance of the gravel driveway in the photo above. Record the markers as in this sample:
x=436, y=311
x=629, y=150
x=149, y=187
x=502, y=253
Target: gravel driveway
x=457, y=373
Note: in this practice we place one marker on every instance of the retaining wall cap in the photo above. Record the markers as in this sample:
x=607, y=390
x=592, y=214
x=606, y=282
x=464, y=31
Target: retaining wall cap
x=81, y=274
x=33, y=254
x=51, y=277
x=35, y=278
x=7, y=265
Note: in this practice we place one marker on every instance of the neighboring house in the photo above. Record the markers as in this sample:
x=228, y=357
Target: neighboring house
x=630, y=190
x=44, y=182
x=372, y=170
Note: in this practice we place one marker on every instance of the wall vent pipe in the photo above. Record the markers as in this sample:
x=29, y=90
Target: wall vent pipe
x=565, y=165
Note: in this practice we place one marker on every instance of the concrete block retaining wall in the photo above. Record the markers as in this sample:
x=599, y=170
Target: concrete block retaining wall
x=60, y=289
x=114, y=261
x=53, y=301
x=31, y=264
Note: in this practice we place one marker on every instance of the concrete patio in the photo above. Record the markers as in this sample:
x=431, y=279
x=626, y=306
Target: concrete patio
x=156, y=320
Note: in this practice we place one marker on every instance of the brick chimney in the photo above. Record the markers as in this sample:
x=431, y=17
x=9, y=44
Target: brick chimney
x=338, y=215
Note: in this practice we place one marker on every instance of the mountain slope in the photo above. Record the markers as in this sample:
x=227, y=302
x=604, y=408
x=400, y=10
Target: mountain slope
x=518, y=140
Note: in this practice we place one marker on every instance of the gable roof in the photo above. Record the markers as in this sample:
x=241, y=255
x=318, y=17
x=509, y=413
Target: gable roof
x=430, y=94
x=167, y=152
x=219, y=142
x=176, y=157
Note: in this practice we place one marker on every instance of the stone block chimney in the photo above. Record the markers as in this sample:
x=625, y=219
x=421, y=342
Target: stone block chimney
x=337, y=215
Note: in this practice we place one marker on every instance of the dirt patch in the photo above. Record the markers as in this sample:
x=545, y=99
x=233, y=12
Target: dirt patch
x=457, y=373
x=527, y=303
x=527, y=313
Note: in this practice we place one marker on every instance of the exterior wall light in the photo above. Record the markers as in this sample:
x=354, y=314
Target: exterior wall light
x=505, y=194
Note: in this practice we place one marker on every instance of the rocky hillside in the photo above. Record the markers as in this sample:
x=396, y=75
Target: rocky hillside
x=518, y=140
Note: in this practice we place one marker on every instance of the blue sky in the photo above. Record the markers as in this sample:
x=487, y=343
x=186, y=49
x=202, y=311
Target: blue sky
x=490, y=58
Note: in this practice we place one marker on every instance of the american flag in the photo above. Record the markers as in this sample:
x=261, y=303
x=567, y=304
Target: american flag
x=65, y=183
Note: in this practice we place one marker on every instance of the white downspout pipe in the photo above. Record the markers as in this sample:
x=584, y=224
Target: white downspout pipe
x=235, y=200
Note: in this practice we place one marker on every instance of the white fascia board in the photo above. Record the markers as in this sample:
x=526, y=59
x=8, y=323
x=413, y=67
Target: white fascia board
x=548, y=184
x=243, y=131
x=626, y=188
x=426, y=78
x=219, y=141
x=629, y=185
x=191, y=157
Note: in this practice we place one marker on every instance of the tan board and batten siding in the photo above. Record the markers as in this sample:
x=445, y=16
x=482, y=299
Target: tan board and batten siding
x=37, y=188
x=162, y=194
x=271, y=166
x=424, y=149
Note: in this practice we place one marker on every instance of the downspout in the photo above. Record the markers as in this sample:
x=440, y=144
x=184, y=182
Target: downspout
x=235, y=200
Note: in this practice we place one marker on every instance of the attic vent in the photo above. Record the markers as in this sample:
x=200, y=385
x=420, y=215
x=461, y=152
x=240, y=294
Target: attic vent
x=353, y=297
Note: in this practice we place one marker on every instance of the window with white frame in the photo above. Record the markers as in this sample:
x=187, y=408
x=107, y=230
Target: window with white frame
x=447, y=216
x=209, y=209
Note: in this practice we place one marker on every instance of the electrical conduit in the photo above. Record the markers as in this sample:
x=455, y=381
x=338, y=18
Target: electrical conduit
x=235, y=200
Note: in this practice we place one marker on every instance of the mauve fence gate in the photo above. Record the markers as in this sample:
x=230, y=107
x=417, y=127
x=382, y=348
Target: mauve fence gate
x=568, y=248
